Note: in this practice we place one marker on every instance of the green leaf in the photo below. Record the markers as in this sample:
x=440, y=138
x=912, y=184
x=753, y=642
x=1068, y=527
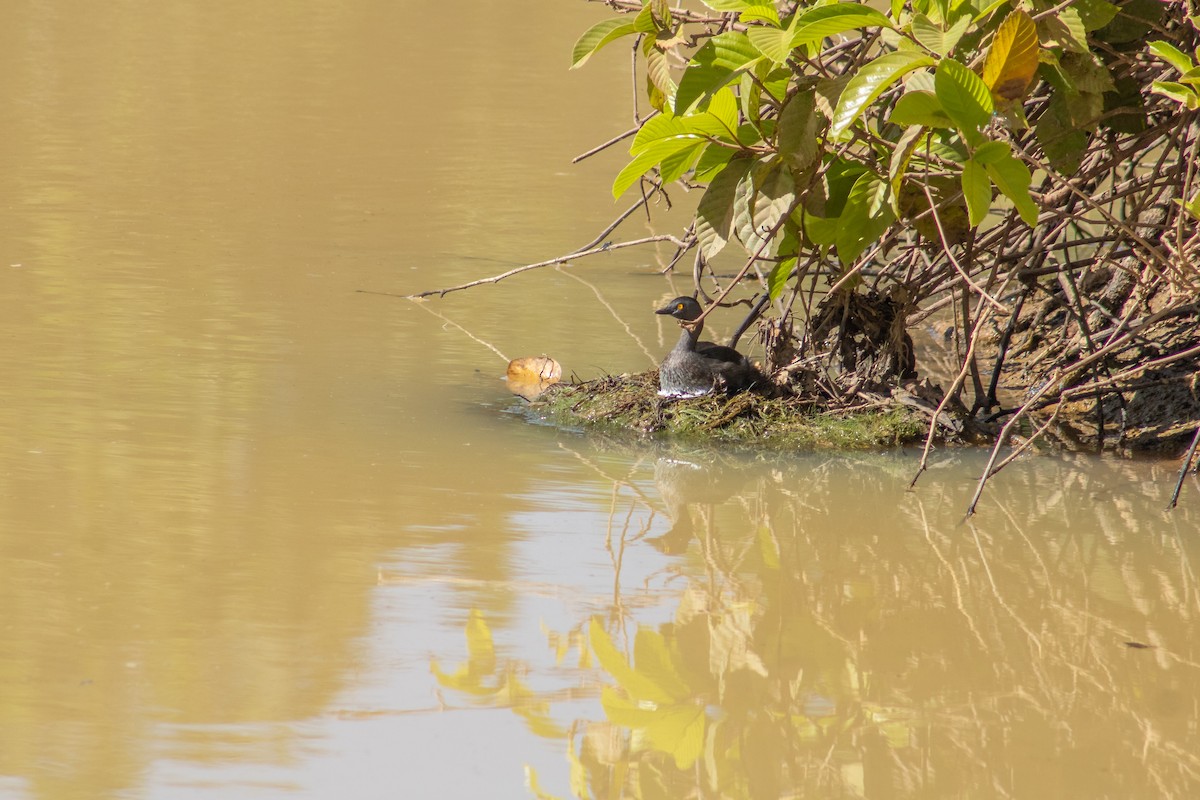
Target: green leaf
x=977, y=190
x=661, y=9
x=1191, y=206
x=954, y=35
x=821, y=231
x=933, y=38
x=963, y=95
x=1061, y=141
x=829, y=92
x=859, y=226
x=870, y=82
x=778, y=277
x=649, y=157
x=662, y=126
x=658, y=70
x=654, y=95
x=1087, y=73
x=765, y=195
x=925, y=31
x=775, y=80
x=1065, y=29
x=1095, y=13
x=645, y=21
x=988, y=10
x=908, y=141
x=728, y=5
x=597, y=36
x=723, y=109
x=714, y=66
x=712, y=161
x=1012, y=178
x=1177, y=92
x=714, y=214
x=814, y=24
x=920, y=108
x=1125, y=107
x=675, y=165
x=1135, y=21
x=695, y=127
x=760, y=13
x=773, y=43
x=797, y=131
x=991, y=152
x=1171, y=55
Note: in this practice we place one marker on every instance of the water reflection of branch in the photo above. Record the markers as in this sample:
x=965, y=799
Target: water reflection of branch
x=625, y=482
x=566, y=695
x=1020, y=529
x=958, y=590
x=448, y=321
x=618, y=555
x=614, y=313
x=987, y=569
x=529, y=588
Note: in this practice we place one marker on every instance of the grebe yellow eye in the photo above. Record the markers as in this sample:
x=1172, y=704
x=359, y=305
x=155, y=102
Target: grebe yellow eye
x=679, y=306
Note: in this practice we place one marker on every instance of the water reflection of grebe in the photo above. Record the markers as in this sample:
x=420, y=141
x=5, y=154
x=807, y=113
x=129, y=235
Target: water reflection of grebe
x=683, y=483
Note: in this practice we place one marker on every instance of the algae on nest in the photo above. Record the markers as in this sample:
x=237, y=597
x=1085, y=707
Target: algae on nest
x=631, y=402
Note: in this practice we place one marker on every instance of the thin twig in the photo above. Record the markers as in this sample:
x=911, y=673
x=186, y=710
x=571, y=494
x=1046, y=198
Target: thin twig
x=605, y=145
x=606, y=248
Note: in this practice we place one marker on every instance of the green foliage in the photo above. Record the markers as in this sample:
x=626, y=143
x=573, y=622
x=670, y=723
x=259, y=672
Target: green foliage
x=964, y=96
x=743, y=116
x=871, y=81
x=714, y=66
x=817, y=131
x=1185, y=91
x=814, y=24
x=597, y=36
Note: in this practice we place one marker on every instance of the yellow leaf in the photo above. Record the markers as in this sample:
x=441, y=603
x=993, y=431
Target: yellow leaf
x=1012, y=60
x=530, y=376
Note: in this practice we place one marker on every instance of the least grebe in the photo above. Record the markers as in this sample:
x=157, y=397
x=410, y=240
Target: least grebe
x=694, y=367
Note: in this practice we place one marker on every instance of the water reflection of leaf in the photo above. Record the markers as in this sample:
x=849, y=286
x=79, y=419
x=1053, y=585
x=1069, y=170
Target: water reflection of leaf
x=486, y=681
x=531, y=780
x=677, y=730
x=655, y=681
x=480, y=664
x=815, y=651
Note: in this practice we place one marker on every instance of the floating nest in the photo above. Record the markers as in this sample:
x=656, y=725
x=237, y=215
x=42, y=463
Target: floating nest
x=631, y=403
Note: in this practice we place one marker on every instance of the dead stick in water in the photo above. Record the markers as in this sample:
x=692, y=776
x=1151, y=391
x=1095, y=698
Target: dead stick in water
x=1183, y=470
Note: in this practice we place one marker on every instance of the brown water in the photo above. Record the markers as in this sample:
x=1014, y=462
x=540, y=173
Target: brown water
x=262, y=536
